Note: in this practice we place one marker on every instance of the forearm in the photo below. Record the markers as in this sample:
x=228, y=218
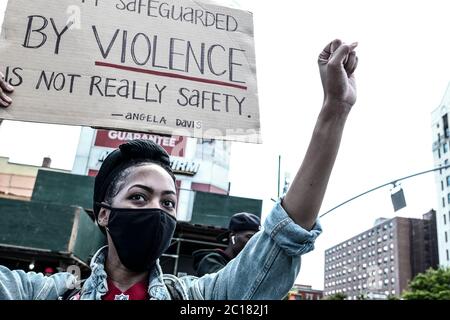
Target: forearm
x=304, y=198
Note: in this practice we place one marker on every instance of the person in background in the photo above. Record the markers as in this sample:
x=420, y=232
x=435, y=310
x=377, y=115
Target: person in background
x=241, y=228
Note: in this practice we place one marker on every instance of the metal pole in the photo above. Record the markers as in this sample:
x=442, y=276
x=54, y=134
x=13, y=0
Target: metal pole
x=175, y=268
x=384, y=185
x=279, y=173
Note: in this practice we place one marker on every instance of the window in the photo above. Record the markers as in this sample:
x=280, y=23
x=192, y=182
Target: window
x=445, y=219
x=445, y=147
x=446, y=237
x=442, y=184
x=448, y=181
x=448, y=197
x=443, y=202
x=448, y=258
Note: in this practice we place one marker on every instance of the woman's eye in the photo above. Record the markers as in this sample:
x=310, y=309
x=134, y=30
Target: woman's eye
x=169, y=204
x=137, y=197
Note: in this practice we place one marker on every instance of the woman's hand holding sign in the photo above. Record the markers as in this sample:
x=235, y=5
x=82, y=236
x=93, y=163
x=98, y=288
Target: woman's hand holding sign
x=5, y=89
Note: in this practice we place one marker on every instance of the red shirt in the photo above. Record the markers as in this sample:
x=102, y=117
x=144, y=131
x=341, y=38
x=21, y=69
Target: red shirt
x=139, y=291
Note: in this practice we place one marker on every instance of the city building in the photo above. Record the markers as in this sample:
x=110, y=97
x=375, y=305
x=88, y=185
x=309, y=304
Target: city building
x=17, y=180
x=441, y=155
x=302, y=292
x=382, y=260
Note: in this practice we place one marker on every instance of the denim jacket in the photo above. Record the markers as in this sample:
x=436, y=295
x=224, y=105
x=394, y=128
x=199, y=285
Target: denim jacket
x=265, y=269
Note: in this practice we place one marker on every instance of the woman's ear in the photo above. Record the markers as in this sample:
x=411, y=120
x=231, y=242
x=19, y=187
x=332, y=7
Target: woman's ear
x=103, y=217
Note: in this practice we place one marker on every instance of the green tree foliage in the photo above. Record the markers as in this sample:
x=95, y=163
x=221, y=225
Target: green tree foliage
x=431, y=285
x=337, y=296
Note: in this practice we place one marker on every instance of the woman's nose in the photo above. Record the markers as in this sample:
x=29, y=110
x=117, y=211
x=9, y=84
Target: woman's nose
x=155, y=203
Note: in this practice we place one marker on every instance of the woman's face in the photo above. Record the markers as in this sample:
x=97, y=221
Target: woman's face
x=147, y=186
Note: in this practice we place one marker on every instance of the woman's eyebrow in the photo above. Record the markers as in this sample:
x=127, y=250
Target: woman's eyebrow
x=148, y=189
x=151, y=190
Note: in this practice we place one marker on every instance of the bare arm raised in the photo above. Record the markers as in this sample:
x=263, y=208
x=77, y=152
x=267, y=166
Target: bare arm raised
x=337, y=64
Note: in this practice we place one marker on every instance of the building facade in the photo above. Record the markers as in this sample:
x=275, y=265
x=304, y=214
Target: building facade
x=382, y=260
x=17, y=180
x=302, y=292
x=441, y=155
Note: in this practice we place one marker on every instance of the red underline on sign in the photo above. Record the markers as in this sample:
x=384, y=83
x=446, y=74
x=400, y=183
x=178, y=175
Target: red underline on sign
x=168, y=75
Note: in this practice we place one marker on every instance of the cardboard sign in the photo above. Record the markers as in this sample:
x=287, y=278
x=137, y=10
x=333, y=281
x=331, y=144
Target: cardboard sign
x=177, y=67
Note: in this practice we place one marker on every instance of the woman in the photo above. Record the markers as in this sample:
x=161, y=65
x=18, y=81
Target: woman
x=135, y=201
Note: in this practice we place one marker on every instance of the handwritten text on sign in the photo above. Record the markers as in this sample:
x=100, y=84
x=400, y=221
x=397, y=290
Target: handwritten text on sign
x=174, y=67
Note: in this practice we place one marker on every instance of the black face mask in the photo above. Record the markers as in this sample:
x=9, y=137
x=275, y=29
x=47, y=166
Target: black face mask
x=140, y=236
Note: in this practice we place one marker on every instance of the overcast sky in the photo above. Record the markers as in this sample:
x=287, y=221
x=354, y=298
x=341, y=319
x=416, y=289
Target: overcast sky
x=402, y=76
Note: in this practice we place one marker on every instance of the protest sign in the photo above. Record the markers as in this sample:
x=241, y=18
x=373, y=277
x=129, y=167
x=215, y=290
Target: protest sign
x=182, y=67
